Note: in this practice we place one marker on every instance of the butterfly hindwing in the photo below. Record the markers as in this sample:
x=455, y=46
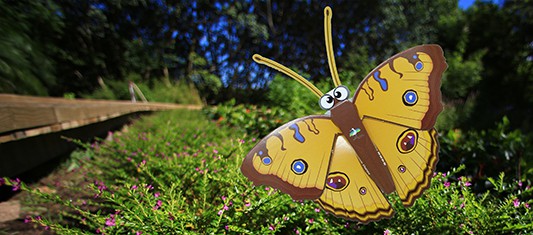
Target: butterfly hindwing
x=405, y=89
x=294, y=158
x=411, y=155
x=350, y=192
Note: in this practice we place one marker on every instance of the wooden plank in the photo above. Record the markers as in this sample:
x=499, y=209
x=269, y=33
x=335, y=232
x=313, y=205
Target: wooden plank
x=26, y=116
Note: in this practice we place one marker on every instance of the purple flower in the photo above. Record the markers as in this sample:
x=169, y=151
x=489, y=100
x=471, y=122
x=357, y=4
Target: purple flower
x=220, y=212
x=223, y=198
x=226, y=227
x=247, y=204
x=16, y=184
x=446, y=184
x=311, y=221
x=27, y=219
x=110, y=221
x=156, y=194
x=271, y=227
x=133, y=187
x=516, y=202
x=296, y=231
x=157, y=205
x=215, y=151
x=138, y=233
x=317, y=210
x=467, y=184
x=526, y=205
x=520, y=184
x=386, y=232
x=149, y=187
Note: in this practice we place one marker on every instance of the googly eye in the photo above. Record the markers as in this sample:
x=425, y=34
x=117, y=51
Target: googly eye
x=326, y=102
x=341, y=93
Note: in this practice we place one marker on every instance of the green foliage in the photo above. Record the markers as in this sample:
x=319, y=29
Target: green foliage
x=176, y=172
x=255, y=120
x=26, y=66
x=159, y=91
x=486, y=153
x=292, y=96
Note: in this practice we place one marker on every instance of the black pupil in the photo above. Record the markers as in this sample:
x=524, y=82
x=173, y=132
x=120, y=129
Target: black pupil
x=329, y=99
x=338, y=94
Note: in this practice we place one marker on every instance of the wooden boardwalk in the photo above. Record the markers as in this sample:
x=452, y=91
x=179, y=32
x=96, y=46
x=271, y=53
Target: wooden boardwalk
x=26, y=116
x=31, y=128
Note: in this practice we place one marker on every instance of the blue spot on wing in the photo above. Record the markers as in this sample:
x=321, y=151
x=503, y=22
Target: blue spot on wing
x=297, y=135
x=382, y=82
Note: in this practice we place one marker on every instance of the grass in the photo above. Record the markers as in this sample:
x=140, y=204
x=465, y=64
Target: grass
x=177, y=172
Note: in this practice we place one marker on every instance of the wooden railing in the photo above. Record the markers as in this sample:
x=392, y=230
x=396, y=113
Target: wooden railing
x=26, y=116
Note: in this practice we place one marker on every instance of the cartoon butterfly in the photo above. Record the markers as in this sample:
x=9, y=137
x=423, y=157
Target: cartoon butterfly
x=378, y=142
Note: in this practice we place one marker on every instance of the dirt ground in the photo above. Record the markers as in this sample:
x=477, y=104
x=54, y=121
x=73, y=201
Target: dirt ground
x=15, y=206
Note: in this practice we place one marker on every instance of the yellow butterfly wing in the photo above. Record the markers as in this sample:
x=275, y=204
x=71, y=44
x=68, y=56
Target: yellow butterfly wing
x=411, y=155
x=350, y=192
x=399, y=102
x=294, y=158
x=405, y=89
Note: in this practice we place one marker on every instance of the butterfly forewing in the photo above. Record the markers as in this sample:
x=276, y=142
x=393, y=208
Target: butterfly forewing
x=405, y=89
x=294, y=158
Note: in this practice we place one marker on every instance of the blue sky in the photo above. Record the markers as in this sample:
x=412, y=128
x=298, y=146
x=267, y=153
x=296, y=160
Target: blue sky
x=463, y=4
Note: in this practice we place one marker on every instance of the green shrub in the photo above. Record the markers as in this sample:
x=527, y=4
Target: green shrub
x=158, y=91
x=176, y=172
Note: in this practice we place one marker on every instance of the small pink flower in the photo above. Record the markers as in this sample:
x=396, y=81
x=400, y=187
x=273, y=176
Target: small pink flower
x=526, y=205
x=138, y=233
x=225, y=208
x=247, y=204
x=110, y=221
x=215, y=151
x=296, y=231
x=317, y=210
x=311, y=221
x=220, y=212
x=386, y=232
x=156, y=194
x=520, y=184
x=157, y=205
x=446, y=184
x=267, y=188
x=516, y=202
x=226, y=227
x=16, y=184
x=223, y=198
x=467, y=184
x=27, y=219
x=271, y=227
x=443, y=175
x=133, y=187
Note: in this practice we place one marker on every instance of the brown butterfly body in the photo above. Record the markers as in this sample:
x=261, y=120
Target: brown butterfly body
x=378, y=142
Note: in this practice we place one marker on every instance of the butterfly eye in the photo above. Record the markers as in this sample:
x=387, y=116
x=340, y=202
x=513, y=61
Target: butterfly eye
x=326, y=102
x=341, y=93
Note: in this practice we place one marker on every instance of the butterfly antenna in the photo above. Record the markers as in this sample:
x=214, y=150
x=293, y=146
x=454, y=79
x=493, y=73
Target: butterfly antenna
x=277, y=66
x=328, y=13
